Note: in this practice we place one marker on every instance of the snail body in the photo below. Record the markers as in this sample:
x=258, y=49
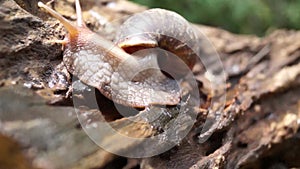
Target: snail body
x=98, y=62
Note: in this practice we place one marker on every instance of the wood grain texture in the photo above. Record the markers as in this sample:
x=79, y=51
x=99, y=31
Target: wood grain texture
x=259, y=127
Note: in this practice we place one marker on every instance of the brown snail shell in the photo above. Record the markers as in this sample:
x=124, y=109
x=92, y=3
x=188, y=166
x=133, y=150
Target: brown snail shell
x=164, y=29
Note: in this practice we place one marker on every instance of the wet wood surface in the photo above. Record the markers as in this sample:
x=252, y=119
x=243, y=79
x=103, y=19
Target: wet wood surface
x=259, y=127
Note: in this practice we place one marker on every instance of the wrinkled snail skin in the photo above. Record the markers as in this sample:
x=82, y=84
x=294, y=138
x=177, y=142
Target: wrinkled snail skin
x=97, y=61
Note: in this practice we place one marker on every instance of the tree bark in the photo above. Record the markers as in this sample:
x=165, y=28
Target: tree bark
x=259, y=127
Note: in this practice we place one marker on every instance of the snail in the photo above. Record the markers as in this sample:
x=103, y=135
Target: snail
x=98, y=62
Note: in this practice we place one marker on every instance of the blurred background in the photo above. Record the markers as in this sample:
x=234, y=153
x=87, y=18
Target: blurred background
x=258, y=17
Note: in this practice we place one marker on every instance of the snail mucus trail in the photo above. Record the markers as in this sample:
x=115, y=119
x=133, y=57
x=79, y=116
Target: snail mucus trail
x=102, y=64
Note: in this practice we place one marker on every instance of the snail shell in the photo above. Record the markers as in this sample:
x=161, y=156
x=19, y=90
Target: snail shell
x=163, y=29
x=105, y=66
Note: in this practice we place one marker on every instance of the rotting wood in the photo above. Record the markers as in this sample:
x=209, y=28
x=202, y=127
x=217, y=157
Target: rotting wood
x=260, y=121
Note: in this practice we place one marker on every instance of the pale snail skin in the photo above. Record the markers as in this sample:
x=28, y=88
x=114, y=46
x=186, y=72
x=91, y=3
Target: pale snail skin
x=92, y=59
